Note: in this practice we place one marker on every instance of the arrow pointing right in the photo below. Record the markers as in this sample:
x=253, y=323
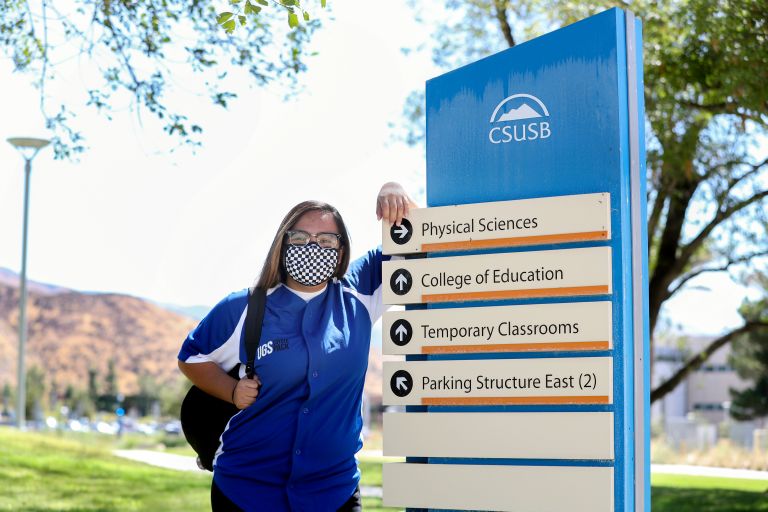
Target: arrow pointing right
x=401, y=230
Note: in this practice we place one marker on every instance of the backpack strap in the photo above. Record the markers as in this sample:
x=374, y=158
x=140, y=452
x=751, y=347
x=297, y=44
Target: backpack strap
x=257, y=300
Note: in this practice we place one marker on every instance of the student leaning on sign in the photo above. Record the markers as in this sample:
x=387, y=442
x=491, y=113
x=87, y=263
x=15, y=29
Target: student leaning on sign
x=292, y=445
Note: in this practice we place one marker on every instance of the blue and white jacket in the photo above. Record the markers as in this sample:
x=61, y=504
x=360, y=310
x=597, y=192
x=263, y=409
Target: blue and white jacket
x=294, y=447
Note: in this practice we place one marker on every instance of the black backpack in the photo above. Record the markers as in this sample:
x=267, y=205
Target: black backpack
x=204, y=417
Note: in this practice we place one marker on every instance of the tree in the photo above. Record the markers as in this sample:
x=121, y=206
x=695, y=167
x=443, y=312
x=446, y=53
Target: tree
x=93, y=387
x=111, y=379
x=706, y=84
x=749, y=357
x=35, y=384
x=137, y=47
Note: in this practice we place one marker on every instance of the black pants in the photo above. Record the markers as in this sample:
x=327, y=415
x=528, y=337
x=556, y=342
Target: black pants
x=220, y=503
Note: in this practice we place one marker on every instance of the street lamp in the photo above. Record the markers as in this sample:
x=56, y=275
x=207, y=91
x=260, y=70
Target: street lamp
x=28, y=147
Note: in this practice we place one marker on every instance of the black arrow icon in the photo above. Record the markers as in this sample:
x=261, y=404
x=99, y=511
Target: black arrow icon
x=401, y=281
x=402, y=233
x=401, y=332
x=401, y=383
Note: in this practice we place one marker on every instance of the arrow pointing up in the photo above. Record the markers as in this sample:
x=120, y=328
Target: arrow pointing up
x=401, y=230
x=401, y=281
x=401, y=331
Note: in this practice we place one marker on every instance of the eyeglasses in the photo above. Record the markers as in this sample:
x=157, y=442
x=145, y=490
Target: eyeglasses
x=324, y=240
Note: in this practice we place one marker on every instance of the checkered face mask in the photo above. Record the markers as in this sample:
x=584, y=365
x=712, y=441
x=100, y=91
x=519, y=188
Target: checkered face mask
x=310, y=264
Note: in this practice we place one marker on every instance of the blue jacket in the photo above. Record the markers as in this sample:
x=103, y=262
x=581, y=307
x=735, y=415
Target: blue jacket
x=294, y=447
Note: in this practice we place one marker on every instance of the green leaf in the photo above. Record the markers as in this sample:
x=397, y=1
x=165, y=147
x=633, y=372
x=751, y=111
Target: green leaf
x=288, y=3
x=263, y=2
x=306, y=16
x=322, y=4
x=223, y=17
x=241, y=18
x=293, y=20
x=229, y=26
x=235, y=2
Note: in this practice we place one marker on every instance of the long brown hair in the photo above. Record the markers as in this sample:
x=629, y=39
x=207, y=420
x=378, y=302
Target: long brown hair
x=273, y=271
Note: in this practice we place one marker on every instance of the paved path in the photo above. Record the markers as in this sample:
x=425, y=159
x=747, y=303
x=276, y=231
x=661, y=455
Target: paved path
x=675, y=469
x=185, y=463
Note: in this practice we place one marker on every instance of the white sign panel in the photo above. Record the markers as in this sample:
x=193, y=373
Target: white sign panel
x=540, y=221
x=565, y=380
x=504, y=488
x=494, y=435
x=558, y=273
x=542, y=327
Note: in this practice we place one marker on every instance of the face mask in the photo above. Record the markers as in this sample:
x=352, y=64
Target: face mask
x=310, y=264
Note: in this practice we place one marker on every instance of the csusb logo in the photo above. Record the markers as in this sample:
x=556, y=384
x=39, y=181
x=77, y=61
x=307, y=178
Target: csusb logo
x=513, y=125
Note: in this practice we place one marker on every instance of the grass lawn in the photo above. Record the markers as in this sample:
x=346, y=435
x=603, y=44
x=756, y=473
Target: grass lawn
x=682, y=493
x=47, y=472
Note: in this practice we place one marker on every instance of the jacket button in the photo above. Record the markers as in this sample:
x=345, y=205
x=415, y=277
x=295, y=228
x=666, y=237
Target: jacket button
x=314, y=374
x=298, y=452
x=306, y=411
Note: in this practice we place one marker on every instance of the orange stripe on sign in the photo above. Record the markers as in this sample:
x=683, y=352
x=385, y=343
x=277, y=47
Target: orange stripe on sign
x=519, y=400
x=516, y=241
x=517, y=294
x=517, y=347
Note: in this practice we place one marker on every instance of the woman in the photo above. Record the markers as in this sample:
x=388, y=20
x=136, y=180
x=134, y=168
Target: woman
x=292, y=445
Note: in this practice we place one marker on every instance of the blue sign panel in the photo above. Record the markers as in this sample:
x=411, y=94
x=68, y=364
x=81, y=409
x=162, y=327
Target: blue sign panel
x=560, y=115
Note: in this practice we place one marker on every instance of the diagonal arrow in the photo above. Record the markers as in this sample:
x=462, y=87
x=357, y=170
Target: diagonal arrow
x=401, y=383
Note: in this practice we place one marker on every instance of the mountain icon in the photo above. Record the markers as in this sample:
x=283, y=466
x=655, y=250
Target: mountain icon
x=524, y=111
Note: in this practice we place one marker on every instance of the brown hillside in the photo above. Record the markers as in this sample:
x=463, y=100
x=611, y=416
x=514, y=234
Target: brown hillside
x=70, y=332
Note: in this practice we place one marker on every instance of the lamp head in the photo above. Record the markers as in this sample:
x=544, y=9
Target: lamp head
x=28, y=146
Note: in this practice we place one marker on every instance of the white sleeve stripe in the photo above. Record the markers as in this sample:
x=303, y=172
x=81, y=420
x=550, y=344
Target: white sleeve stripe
x=373, y=303
x=228, y=354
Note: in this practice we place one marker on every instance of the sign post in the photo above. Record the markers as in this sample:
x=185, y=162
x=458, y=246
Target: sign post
x=525, y=384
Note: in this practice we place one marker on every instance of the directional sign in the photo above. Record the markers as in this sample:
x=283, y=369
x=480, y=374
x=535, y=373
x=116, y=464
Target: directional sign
x=578, y=326
x=500, y=435
x=535, y=156
x=548, y=220
x=579, y=380
x=559, y=273
x=494, y=487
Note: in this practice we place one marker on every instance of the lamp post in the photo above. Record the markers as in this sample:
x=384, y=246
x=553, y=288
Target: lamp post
x=28, y=147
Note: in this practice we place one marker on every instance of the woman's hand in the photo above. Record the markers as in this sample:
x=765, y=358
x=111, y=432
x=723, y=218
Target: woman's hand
x=393, y=203
x=245, y=392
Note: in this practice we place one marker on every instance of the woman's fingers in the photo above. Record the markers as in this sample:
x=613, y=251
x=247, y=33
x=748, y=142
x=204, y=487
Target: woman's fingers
x=393, y=203
x=246, y=391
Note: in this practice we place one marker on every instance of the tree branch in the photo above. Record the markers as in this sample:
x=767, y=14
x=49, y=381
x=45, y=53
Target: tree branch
x=722, y=215
x=501, y=15
x=728, y=264
x=696, y=361
x=653, y=220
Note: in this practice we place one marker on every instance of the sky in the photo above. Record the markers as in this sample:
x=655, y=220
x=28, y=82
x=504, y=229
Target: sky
x=188, y=228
